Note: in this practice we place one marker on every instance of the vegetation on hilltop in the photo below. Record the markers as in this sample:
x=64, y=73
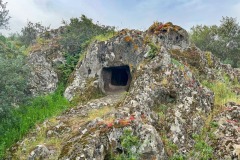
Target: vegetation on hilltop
x=4, y=17
x=223, y=40
x=75, y=38
x=19, y=112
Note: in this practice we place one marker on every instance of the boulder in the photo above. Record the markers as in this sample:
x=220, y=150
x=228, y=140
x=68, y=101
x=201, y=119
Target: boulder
x=43, y=62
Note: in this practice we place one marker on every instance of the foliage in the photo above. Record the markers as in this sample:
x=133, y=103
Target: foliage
x=13, y=84
x=18, y=112
x=177, y=63
x=201, y=149
x=14, y=39
x=222, y=91
x=223, y=40
x=178, y=156
x=103, y=37
x=78, y=34
x=67, y=68
x=25, y=117
x=30, y=32
x=129, y=145
x=79, y=31
x=153, y=50
x=13, y=79
x=4, y=17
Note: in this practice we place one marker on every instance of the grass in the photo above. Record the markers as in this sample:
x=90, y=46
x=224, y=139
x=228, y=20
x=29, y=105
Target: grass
x=222, y=91
x=100, y=38
x=128, y=141
x=55, y=141
x=177, y=63
x=39, y=109
x=201, y=149
x=99, y=112
x=104, y=37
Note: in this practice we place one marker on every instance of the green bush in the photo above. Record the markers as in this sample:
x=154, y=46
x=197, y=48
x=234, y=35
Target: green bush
x=30, y=32
x=4, y=17
x=221, y=40
x=153, y=50
x=75, y=39
x=222, y=91
x=79, y=31
x=25, y=117
x=128, y=141
x=201, y=149
x=13, y=84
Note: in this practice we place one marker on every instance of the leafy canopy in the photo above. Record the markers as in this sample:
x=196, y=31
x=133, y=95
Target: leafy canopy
x=222, y=40
x=30, y=32
x=4, y=17
x=75, y=39
x=13, y=79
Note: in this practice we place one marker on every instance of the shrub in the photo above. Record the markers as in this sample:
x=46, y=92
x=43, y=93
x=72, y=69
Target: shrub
x=221, y=40
x=222, y=91
x=153, y=50
x=25, y=117
x=30, y=32
x=128, y=143
x=13, y=83
x=201, y=149
x=76, y=37
x=4, y=17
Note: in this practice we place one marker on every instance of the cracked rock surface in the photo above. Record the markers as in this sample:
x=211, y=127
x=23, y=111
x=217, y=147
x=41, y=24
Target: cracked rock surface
x=164, y=106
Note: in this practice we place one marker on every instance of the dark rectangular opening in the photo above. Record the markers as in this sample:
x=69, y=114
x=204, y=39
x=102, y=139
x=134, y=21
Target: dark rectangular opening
x=116, y=78
x=119, y=76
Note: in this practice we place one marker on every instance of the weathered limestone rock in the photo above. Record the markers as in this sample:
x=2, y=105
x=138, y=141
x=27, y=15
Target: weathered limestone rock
x=164, y=106
x=227, y=132
x=43, y=61
x=40, y=152
x=157, y=83
x=128, y=48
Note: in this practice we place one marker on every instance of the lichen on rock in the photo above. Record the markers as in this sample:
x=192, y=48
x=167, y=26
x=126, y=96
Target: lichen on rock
x=44, y=62
x=164, y=103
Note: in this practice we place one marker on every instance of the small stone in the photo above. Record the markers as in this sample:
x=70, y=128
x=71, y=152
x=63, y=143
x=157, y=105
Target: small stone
x=84, y=131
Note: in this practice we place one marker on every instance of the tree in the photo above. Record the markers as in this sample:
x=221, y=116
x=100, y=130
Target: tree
x=222, y=40
x=30, y=32
x=12, y=82
x=78, y=31
x=13, y=79
x=202, y=36
x=4, y=18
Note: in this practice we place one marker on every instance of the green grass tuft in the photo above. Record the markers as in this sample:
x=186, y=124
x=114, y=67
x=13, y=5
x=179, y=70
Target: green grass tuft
x=222, y=91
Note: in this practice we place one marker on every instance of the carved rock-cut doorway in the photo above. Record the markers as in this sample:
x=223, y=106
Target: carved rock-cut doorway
x=116, y=79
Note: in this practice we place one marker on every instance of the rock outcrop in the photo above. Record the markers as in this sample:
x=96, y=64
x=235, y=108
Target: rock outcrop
x=152, y=83
x=226, y=128
x=128, y=48
x=43, y=61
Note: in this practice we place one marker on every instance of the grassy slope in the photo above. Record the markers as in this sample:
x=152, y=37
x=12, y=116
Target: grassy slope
x=27, y=116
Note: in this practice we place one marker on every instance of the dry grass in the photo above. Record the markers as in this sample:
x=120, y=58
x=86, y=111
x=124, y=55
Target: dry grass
x=164, y=82
x=38, y=135
x=99, y=112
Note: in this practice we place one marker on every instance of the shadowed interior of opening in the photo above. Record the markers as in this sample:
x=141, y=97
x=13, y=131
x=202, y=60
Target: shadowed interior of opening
x=119, y=76
x=116, y=78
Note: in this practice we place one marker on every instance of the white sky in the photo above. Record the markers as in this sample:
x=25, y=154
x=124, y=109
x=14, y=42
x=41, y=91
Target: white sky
x=137, y=14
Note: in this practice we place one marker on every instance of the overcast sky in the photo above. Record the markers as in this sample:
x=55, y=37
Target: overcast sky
x=138, y=14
